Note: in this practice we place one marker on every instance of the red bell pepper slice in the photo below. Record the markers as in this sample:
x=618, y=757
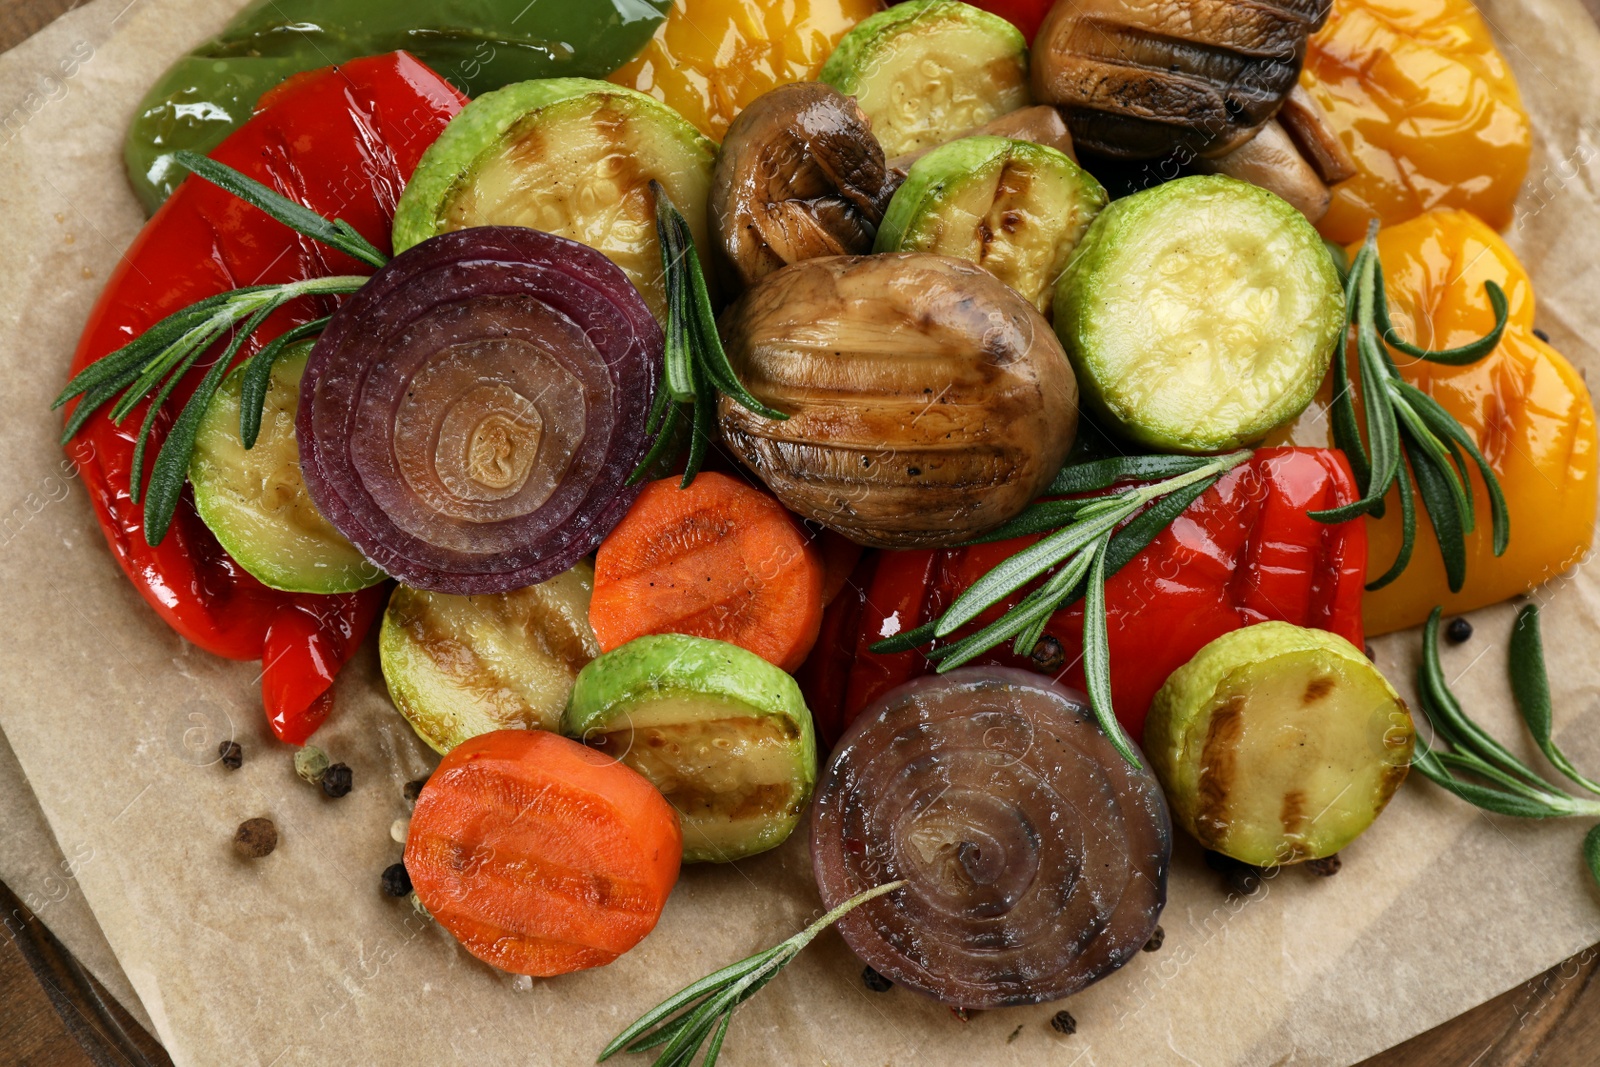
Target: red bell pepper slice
x=341, y=141
x=1244, y=552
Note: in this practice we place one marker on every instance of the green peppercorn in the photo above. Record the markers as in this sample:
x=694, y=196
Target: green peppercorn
x=310, y=762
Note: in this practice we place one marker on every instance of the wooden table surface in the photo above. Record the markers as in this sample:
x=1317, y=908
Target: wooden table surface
x=54, y=1014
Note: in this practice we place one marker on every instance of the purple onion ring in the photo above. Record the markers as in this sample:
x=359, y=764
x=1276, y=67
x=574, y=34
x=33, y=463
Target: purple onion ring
x=470, y=418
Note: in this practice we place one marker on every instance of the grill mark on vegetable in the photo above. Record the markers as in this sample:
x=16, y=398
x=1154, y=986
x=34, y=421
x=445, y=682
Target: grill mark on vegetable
x=1218, y=767
x=1292, y=815
x=1317, y=688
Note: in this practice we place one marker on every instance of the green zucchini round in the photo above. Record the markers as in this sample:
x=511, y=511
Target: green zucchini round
x=254, y=499
x=1199, y=314
x=1015, y=208
x=569, y=156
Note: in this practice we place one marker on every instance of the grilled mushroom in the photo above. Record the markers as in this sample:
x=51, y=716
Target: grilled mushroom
x=1139, y=79
x=928, y=402
x=1271, y=160
x=800, y=175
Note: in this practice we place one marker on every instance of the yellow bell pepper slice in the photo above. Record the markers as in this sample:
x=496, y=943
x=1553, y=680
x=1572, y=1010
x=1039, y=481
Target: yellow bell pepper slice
x=1426, y=105
x=1527, y=407
x=711, y=58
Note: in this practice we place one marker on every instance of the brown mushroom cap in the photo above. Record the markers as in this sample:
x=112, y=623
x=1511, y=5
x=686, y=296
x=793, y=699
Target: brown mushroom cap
x=1139, y=79
x=800, y=175
x=928, y=402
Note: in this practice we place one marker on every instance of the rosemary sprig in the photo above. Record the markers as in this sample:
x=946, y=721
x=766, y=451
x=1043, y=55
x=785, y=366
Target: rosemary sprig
x=151, y=366
x=1497, y=780
x=702, y=1010
x=1085, y=549
x=696, y=367
x=1405, y=424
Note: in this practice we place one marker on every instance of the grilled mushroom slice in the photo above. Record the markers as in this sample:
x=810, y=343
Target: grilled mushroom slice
x=1139, y=79
x=800, y=175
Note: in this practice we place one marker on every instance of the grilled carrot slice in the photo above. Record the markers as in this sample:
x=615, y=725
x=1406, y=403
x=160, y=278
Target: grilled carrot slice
x=539, y=855
x=719, y=559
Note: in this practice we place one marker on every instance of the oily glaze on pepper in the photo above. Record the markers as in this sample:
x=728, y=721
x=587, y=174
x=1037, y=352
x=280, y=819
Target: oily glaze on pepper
x=1525, y=404
x=1426, y=105
x=477, y=45
x=342, y=142
x=710, y=58
x=1244, y=552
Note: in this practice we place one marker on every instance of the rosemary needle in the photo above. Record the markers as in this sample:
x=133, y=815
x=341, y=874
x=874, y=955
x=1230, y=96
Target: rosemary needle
x=150, y=367
x=703, y=1009
x=1496, y=780
x=1085, y=548
x=695, y=366
x=1411, y=441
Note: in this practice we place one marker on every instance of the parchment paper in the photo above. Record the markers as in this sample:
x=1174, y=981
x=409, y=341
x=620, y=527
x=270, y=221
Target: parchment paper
x=298, y=959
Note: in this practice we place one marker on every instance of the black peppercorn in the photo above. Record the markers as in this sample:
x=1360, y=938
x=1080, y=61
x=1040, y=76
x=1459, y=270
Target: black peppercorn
x=1541, y=335
x=255, y=838
x=337, y=780
x=396, y=882
x=1242, y=879
x=875, y=981
x=1326, y=867
x=413, y=790
x=1062, y=1022
x=1458, y=631
x=231, y=754
x=1157, y=939
x=1048, y=655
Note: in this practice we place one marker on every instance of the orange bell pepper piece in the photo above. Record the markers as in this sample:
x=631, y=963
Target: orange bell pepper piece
x=1427, y=107
x=711, y=58
x=1525, y=404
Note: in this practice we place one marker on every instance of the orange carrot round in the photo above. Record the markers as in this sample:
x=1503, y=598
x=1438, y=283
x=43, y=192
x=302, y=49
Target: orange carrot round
x=539, y=855
x=719, y=559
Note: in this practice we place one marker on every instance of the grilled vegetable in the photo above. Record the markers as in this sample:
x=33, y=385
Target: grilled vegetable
x=927, y=402
x=1139, y=79
x=1278, y=744
x=1035, y=857
x=568, y=156
x=541, y=856
x=1272, y=160
x=929, y=71
x=1014, y=208
x=800, y=175
x=471, y=417
x=721, y=732
x=460, y=666
x=716, y=559
x=1041, y=124
x=255, y=500
x=1435, y=271
x=712, y=58
x=1200, y=314
x=478, y=44
x=1375, y=68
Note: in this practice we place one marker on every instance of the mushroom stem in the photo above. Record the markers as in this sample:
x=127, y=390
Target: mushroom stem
x=1272, y=160
x=1313, y=133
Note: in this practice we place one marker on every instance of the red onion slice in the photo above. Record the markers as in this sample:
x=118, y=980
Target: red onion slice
x=1035, y=856
x=470, y=418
